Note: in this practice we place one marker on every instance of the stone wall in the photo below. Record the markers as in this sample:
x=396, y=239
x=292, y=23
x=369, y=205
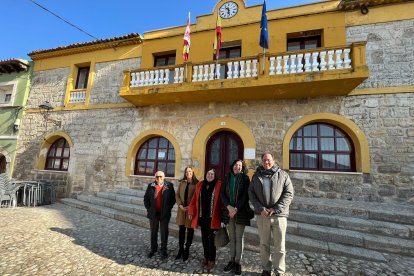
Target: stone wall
x=108, y=80
x=101, y=139
x=389, y=52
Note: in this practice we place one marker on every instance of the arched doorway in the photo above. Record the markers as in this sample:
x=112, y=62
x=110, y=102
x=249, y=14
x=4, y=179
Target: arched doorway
x=222, y=149
x=3, y=163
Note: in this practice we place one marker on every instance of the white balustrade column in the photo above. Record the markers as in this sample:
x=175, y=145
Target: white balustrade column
x=195, y=69
x=307, y=62
x=229, y=70
x=272, y=66
x=278, y=65
x=181, y=77
x=161, y=78
x=151, y=80
x=285, y=65
x=176, y=72
x=141, y=78
x=331, y=63
x=236, y=70
x=254, y=73
x=292, y=64
x=347, y=60
x=212, y=67
x=248, y=68
x=133, y=81
x=218, y=71
x=167, y=76
x=323, y=60
x=242, y=71
x=205, y=72
x=338, y=59
x=315, y=63
x=299, y=68
x=157, y=77
x=147, y=77
x=200, y=72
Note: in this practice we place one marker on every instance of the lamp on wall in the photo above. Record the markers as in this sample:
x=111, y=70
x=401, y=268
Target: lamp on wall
x=45, y=109
x=364, y=9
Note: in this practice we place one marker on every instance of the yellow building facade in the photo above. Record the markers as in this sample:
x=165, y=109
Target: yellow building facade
x=331, y=98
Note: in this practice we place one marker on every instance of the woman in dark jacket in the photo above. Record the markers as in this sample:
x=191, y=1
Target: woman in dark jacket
x=236, y=211
x=204, y=211
x=183, y=197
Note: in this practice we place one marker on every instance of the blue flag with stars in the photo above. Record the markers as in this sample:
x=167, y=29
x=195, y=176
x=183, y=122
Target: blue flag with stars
x=264, y=35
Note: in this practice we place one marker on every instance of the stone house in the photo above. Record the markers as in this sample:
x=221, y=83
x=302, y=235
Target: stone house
x=332, y=98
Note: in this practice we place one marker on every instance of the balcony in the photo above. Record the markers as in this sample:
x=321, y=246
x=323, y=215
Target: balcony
x=77, y=96
x=333, y=71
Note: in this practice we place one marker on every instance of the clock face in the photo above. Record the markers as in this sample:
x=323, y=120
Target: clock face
x=228, y=10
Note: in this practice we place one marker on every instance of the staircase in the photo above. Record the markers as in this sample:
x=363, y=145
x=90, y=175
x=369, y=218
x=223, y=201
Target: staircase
x=361, y=230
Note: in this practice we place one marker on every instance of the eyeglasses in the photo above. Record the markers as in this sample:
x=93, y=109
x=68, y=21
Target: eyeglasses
x=158, y=176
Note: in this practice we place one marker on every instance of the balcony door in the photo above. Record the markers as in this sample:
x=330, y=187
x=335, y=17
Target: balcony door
x=3, y=163
x=222, y=149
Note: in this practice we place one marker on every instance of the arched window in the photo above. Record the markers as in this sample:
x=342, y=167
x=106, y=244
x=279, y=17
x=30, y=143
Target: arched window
x=156, y=154
x=321, y=147
x=58, y=156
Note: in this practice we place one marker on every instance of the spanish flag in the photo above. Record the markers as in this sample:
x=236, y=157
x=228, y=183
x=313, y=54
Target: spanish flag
x=186, y=47
x=217, y=41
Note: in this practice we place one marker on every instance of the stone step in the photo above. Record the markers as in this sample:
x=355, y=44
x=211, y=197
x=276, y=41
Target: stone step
x=131, y=192
x=353, y=223
x=311, y=245
x=251, y=236
x=326, y=233
x=354, y=238
x=121, y=197
x=390, y=212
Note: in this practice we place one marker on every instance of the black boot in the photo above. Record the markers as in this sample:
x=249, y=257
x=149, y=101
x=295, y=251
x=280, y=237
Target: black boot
x=186, y=253
x=180, y=254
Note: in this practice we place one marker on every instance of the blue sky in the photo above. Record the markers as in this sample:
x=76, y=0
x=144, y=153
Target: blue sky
x=27, y=28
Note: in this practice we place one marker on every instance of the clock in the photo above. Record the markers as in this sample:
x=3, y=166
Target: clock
x=228, y=10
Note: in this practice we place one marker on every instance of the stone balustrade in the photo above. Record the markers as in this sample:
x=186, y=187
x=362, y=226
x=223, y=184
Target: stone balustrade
x=160, y=76
x=310, y=61
x=246, y=68
x=77, y=96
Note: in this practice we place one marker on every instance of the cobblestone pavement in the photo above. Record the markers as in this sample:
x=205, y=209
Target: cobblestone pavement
x=61, y=240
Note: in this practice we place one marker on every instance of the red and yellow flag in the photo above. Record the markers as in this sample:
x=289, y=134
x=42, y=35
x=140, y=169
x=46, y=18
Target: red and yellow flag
x=186, y=47
x=217, y=41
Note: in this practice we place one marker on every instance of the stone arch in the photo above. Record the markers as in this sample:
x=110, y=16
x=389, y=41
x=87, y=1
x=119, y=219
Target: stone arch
x=214, y=126
x=47, y=142
x=362, y=160
x=144, y=136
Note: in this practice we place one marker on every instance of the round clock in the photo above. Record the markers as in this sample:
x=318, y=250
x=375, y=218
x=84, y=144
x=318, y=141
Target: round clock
x=228, y=10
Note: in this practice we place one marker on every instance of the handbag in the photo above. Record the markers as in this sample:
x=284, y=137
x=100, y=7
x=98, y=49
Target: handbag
x=221, y=237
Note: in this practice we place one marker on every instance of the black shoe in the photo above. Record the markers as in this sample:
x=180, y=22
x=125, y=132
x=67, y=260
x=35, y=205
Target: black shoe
x=164, y=254
x=280, y=274
x=266, y=273
x=229, y=267
x=237, y=269
x=151, y=254
x=180, y=253
x=186, y=253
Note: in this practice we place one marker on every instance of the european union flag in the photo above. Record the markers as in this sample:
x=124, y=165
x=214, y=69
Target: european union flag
x=264, y=35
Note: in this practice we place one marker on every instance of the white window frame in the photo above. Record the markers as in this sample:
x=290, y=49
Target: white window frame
x=14, y=84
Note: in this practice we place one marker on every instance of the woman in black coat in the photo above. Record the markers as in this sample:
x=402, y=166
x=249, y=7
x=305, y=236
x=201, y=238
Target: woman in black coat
x=236, y=211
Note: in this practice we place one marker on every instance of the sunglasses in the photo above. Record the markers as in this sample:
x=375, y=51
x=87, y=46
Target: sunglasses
x=158, y=176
